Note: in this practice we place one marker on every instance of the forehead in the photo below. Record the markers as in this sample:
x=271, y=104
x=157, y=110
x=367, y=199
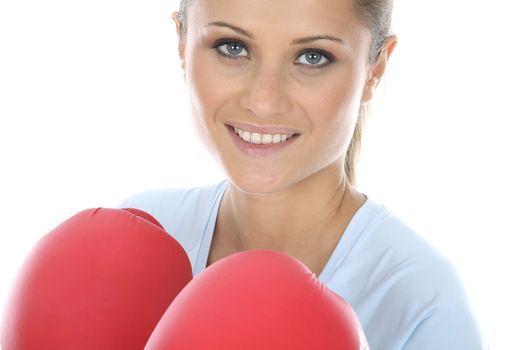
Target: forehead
x=281, y=17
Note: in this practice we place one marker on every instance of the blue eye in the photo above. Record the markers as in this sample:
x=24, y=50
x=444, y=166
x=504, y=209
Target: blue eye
x=316, y=58
x=230, y=49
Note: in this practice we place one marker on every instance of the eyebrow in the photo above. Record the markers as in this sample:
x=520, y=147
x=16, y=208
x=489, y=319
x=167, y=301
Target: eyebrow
x=294, y=42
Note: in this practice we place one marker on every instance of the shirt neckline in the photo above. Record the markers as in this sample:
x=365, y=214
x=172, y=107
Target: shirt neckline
x=350, y=236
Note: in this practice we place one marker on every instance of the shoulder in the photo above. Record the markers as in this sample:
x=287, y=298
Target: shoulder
x=164, y=200
x=183, y=212
x=381, y=247
x=401, y=279
x=397, y=251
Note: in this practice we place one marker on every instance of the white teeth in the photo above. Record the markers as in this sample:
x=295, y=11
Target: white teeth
x=267, y=138
x=256, y=138
x=245, y=136
x=264, y=139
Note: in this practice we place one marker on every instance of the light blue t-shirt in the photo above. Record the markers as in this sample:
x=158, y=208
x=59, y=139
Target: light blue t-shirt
x=405, y=294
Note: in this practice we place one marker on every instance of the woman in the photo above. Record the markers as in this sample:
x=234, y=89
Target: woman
x=279, y=89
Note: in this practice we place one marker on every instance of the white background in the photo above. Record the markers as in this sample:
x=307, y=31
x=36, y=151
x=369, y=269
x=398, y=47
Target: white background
x=93, y=109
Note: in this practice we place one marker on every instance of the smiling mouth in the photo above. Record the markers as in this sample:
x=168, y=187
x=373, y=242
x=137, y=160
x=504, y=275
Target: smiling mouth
x=255, y=138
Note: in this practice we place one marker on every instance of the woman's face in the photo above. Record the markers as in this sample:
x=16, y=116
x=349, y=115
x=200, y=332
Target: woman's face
x=275, y=67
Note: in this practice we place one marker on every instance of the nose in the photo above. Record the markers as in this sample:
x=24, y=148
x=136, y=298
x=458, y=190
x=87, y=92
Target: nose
x=265, y=94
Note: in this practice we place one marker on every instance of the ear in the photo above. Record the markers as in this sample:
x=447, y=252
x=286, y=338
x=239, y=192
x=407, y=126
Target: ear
x=377, y=69
x=181, y=36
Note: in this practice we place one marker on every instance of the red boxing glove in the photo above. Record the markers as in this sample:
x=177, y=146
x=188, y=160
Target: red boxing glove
x=101, y=280
x=258, y=299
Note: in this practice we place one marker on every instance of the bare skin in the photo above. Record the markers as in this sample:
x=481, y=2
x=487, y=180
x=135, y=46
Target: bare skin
x=313, y=246
x=298, y=200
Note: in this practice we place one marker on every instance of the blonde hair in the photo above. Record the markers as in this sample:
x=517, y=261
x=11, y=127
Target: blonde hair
x=377, y=14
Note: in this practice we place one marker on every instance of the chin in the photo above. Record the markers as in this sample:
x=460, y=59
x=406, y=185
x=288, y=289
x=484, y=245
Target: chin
x=257, y=184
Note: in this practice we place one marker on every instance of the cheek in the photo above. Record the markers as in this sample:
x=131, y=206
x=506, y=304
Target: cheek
x=210, y=81
x=334, y=106
x=208, y=89
x=202, y=85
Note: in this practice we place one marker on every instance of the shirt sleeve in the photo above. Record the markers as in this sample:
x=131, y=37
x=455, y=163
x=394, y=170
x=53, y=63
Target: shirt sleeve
x=450, y=324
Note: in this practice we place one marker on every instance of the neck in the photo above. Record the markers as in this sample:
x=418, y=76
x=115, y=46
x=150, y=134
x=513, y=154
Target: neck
x=304, y=220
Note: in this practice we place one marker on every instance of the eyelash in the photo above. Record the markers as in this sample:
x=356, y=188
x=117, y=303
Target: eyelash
x=329, y=57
